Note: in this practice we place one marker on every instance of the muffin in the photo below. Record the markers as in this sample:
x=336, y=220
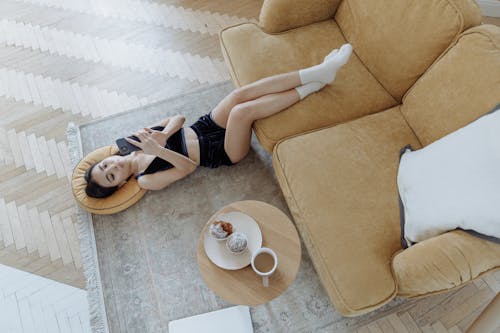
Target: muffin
x=237, y=243
x=220, y=230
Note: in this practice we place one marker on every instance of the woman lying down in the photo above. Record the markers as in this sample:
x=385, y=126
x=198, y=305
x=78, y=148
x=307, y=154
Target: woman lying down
x=170, y=151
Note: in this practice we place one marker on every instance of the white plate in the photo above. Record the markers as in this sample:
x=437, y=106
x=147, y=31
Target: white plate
x=217, y=251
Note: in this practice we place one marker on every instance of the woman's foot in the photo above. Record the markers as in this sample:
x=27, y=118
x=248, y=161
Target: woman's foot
x=326, y=71
x=331, y=55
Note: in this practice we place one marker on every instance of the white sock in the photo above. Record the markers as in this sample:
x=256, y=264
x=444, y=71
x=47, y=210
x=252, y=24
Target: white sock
x=326, y=71
x=312, y=87
x=309, y=88
x=331, y=54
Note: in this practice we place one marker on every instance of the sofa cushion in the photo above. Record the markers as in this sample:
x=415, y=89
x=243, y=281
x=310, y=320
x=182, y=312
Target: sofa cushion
x=252, y=54
x=460, y=87
x=340, y=186
x=399, y=40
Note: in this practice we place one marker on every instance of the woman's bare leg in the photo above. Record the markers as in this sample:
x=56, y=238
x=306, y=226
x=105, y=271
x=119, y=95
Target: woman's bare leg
x=323, y=73
x=268, y=96
x=242, y=116
x=265, y=86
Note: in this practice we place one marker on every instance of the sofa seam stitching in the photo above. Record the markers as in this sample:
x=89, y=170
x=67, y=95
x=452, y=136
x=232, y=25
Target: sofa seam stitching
x=485, y=34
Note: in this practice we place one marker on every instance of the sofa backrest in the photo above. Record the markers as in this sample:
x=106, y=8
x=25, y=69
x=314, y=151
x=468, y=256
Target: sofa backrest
x=462, y=85
x=280, y=15
x=398, y=40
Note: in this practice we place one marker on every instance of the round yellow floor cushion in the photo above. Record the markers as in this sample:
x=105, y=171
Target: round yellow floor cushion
x=124, y=197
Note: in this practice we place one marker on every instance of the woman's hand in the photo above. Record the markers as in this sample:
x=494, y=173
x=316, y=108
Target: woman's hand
x=148, y=144
x=158, y=136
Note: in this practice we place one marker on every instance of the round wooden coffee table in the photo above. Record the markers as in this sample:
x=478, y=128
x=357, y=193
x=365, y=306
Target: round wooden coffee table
x=243, y=286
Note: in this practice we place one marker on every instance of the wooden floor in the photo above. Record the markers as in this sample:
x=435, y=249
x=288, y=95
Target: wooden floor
x=33, y=304
x=76, y=60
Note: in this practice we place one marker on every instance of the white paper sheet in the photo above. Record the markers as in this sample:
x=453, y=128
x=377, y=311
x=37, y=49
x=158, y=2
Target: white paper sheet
x=231, y=320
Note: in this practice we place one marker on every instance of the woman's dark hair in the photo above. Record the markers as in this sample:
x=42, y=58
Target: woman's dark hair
x=95, y=190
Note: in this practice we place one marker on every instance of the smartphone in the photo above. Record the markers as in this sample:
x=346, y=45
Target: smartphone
x=126, y=147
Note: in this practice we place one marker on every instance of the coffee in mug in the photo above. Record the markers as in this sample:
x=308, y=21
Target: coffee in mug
x=264, y=262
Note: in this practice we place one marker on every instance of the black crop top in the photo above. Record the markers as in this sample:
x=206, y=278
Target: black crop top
x=175, y=142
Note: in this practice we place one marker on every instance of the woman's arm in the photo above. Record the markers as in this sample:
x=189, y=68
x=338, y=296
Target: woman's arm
x=179, y=161
x=170, y=126
x=161, y=179
x=173, y=125
x=151, y=147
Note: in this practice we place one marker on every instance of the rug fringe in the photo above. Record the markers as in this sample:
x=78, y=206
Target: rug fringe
x=88, y=251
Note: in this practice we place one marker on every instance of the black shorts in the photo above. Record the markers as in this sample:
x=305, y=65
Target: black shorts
x=211, y=138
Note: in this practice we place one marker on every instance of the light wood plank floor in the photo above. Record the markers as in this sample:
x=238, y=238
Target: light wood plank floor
x=74, y=60
x=33, y=304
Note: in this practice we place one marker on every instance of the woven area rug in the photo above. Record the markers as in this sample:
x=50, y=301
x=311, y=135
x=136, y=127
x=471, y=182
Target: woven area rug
x=141, y=264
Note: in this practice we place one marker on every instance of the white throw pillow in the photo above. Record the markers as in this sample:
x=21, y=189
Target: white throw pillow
x=453, y=183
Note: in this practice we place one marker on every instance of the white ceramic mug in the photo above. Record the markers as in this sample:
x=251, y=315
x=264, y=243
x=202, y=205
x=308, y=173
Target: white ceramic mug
x=265, y=275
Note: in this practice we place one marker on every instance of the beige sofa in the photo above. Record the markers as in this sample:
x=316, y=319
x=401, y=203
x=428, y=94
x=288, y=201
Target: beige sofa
x=420, y=70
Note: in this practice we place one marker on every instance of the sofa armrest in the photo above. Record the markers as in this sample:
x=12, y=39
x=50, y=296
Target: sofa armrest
x=281, y=15
x=443, y=262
